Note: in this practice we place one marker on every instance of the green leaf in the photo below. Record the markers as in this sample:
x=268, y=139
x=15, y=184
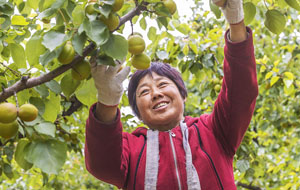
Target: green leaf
x=53, y=86
x=106, y=60
x=162, y=55
x=78, y=15
x=18, y=54
x=143, y=23
x=34, y=49
x=4, y=25
x=249, y=12
x=38, y=103
x=53, y=9
x=78, y=42
x=7, y=169
x=274, y=79
x=69, y=85
x=215, y=9
x=53, y=39
x=289, y=75
x=104, y=10
x=183, y=28
x=294, y=4
x=152, y=33
x=86, y=93
x=46, y=128
x=116, y=47
x=48, y=56
x=19, y=154
x=19, y=20
x=49, y=156
x=42, y=90
x=193, y=47
x=33, y=3
x=52, y=107
x=163, y=21
x=96, y=31
x=242, y=165
x=185, y=49
x=275, y=21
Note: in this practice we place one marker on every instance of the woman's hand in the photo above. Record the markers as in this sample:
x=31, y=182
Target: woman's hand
x=234, y=14
x=232, y=10
x=109, y=81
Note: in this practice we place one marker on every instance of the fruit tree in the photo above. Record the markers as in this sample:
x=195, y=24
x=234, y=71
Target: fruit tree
x=46, y=88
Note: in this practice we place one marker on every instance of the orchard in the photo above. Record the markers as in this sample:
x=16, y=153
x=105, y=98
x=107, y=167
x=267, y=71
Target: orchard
x=47, y=90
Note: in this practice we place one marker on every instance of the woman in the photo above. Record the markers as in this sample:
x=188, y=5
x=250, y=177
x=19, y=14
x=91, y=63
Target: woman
x=176, y=152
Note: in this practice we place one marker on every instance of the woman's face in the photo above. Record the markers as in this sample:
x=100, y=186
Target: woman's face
x=159, y=102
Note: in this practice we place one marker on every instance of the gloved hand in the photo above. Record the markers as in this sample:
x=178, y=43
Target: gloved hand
x=232, y=10
x=108, y=81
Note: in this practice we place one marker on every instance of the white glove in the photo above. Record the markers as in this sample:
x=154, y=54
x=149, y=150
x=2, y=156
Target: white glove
x=109, y=82
x=232, y=10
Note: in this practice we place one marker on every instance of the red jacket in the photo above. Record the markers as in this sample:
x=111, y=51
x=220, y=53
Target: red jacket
x=119, y=158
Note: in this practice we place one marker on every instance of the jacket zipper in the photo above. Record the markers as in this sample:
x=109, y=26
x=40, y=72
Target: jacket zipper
x=210, y=159
x=171, y=134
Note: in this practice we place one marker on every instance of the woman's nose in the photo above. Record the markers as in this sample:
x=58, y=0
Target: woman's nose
x=156, y=93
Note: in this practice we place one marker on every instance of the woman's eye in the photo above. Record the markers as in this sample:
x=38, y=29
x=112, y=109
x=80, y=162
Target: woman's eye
x=162, y=84
x=143, y=92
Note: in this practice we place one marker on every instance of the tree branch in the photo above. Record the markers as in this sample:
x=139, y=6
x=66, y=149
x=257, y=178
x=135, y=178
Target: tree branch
x=75, y=105
x=25, y=83
x=251, y=187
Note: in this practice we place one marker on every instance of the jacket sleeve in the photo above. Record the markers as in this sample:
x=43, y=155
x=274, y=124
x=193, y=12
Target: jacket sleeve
x=235, y=104
x=106, y=150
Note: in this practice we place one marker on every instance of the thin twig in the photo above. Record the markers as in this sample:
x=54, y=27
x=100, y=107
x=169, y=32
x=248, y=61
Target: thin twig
x=13, y=71
x=251, y=187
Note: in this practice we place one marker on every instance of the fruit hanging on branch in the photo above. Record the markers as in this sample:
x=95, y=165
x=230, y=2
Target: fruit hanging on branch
x=67, y=54
x=141, y=61
x=9, y=130
x=112, y=22
x=28, y=112
x=89, y=9
x=170, y=5
x=8, y=112
x=118, y=4
x=81, y=70
x=136, y=44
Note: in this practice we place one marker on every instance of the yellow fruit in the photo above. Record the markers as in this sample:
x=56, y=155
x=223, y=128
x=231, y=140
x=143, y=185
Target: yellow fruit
x=140, y=61
x=81, y=70
x=170, y=5
x=28, y=112
x=217, y=88
x=215, y=81
x=136, y=44
x=112, y=22
x=118, y=4
x=8, y=130
x=8, y=112
x=89, y=9
x=67, y=54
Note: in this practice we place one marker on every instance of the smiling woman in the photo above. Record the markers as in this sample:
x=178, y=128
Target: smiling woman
x=159, y=93
x=174, y=151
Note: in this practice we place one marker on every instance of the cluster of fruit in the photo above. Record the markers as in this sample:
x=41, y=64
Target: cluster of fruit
x=80, y=70
x=112, y=21
x=136, y=46
x=8, y=117
x=217, y=84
